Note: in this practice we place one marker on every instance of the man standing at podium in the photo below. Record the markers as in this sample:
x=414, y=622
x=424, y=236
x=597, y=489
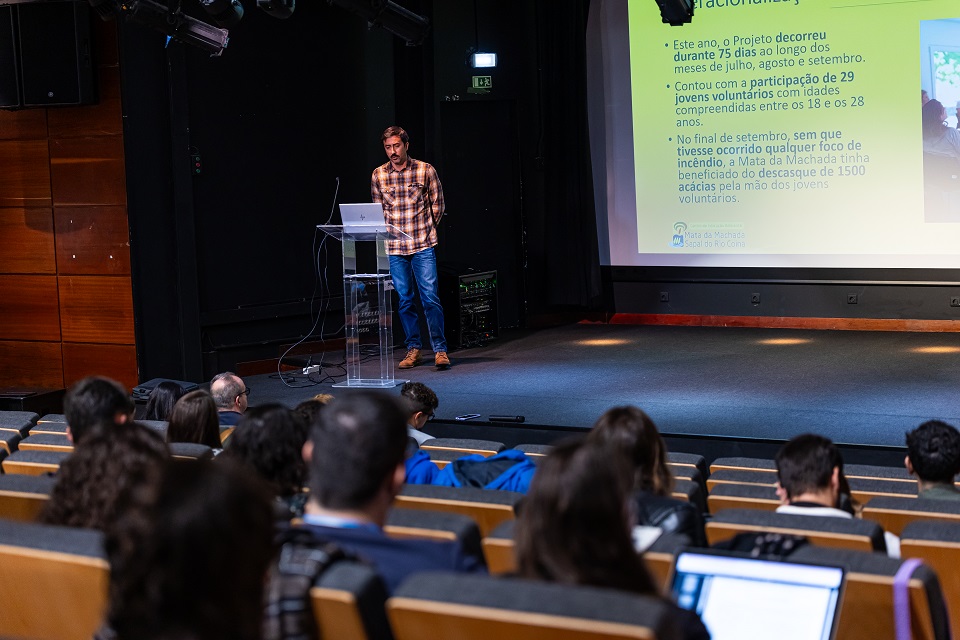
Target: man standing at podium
x=412, y=199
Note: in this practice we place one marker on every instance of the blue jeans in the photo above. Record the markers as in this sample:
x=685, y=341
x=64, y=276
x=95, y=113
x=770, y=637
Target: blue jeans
x=419, y=268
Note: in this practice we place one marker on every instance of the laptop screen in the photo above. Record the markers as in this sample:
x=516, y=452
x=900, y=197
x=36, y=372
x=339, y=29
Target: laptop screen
x=741, y=598
x=363, y=216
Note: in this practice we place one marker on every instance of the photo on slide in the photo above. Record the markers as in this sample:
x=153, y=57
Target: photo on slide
x=940, y=99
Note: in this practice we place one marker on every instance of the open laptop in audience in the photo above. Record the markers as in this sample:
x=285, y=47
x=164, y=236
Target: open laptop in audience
x=742, y=598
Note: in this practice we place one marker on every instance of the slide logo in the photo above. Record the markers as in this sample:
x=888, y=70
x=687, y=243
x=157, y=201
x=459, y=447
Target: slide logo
x=678, y=230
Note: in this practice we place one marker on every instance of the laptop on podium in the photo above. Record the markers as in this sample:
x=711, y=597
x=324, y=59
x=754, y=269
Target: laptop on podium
x=363, y=217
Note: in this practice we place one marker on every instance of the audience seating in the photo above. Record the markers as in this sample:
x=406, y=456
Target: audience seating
x=471, y=607
x=742, y=496
x=190, y=451
x=18, y=421
x=53, y=581
x=539, y=450
x=689, y=491
x=443, y=457
x=434, y=525
x=46, y=442
x=499, y=549
x=878, y=472
x=465, y=446
x=160, y=426
x=53, y=417
x=741, y=476
x=694, y=460
x=34, y=463
x=859, y=535
x=938, y=545
x=10, y=440
x=348, y=602
x=895, y=513
x=742, y=464
x=22, y=497
x=28, y=417
x=866, y=611
x=225, y=433
x=487, y=507
x=49, y=428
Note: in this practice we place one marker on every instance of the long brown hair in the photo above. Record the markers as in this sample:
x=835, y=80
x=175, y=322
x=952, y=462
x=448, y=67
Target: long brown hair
x=631, y=431
x=574, y=526
x=194, y=419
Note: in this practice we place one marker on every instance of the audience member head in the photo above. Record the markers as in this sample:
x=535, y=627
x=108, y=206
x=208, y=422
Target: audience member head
x=422, y=401
x=270, y=438
x=574, y=527
x=631, y=431
x=161, y=400
x=933, y=452
x=309, y=410
x=97, y=477
x=356, y=451
x=229, y=392
x=933, y=117
x=92, y=401
x=810, y=469
x=188, y=559
x=194, y=419
x=323, y=398
x=924, y=97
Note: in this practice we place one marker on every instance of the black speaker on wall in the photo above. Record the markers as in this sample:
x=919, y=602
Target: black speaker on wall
x=46, y=55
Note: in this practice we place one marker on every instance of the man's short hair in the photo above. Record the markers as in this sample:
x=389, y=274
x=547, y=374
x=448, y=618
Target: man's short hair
x=94, y=400
x=934, y=451
x=806, y=463
x=358, y=442
x=419, y=397
x=389, y=132
x=225, y=393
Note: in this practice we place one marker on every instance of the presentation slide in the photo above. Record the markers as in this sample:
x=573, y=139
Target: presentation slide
x=793, y=133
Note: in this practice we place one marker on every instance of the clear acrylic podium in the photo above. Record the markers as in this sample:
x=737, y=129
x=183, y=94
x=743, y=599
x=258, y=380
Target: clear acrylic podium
x=368, y=306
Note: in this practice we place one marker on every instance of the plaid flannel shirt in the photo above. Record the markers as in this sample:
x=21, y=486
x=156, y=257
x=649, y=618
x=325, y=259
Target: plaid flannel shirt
x=412, y=199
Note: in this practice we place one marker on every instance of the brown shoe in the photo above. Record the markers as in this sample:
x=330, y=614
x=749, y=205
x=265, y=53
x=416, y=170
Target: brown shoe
x=441, y=360
x=410, y=360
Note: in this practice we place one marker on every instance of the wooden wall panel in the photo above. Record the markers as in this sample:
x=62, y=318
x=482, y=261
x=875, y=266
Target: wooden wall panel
x=114, y=361
x=103, y=119
x=28, y=124
x=96, y=309
x=26, y=241
x=31, y=364
x=92, y=240
x=28, y=308
x=88, y=171
x=25, y=179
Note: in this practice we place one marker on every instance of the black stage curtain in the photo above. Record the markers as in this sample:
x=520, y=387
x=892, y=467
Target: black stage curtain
x=568, y=226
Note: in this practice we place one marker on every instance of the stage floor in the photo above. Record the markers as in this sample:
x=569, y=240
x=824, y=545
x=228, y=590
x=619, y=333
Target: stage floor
x=861, y=388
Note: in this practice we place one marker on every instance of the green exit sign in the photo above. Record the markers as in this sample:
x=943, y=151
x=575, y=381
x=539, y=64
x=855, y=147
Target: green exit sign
x=482, y=82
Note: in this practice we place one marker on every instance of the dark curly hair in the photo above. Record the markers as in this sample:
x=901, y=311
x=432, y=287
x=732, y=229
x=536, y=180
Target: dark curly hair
x=270, y=438
x=934, y=451
x=189, y=555
x=94, y=480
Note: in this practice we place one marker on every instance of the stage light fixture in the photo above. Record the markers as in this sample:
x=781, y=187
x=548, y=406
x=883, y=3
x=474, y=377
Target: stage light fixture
x=280, y=9
x=389, y=16
x=173, y=23
x=226, y=13
x=676, y=12
x=483, y=60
